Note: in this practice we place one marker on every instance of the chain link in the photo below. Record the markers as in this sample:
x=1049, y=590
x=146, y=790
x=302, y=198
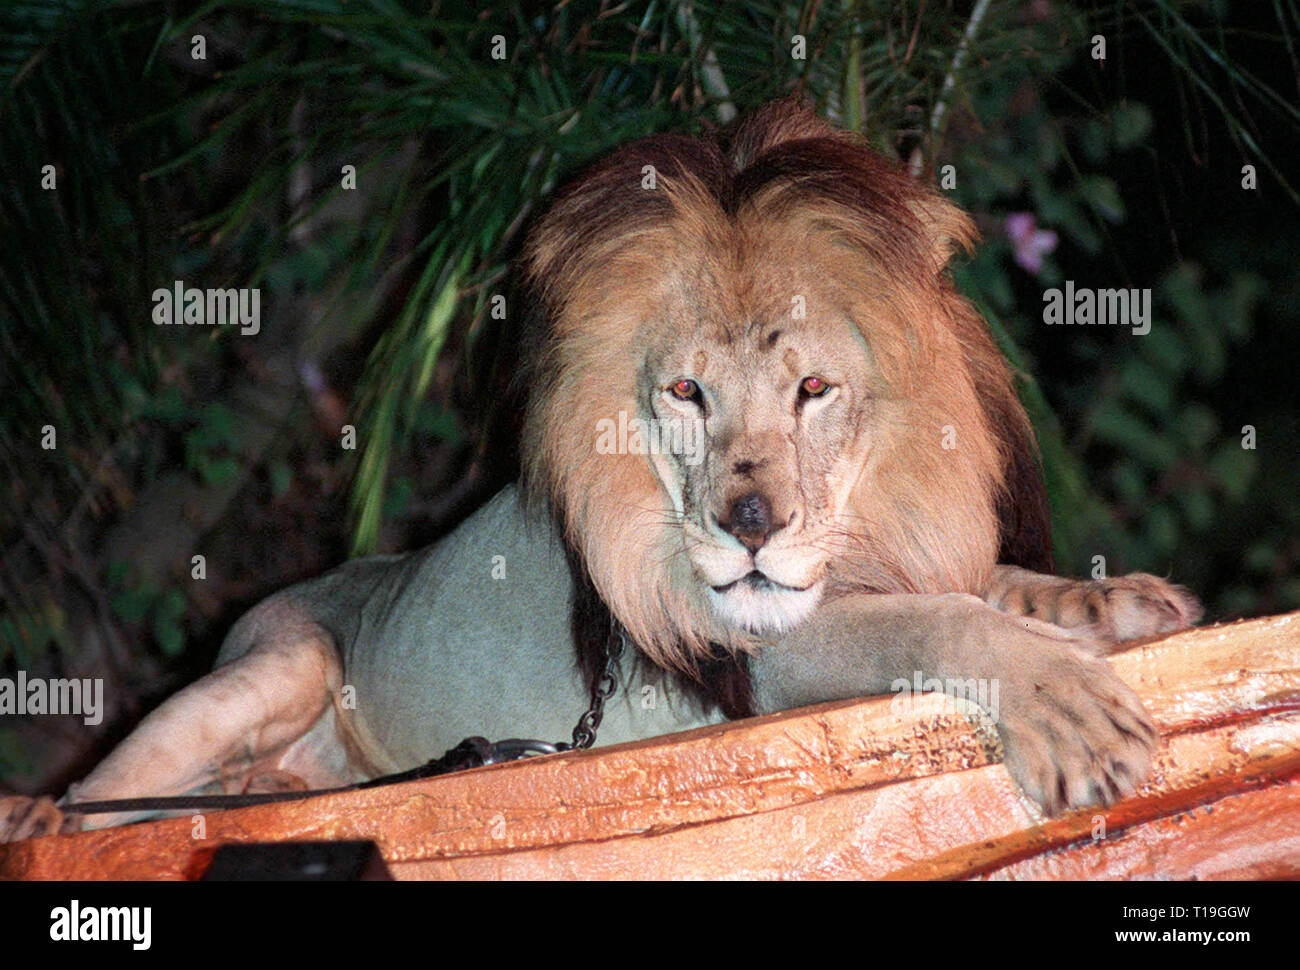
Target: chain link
x=584, y=735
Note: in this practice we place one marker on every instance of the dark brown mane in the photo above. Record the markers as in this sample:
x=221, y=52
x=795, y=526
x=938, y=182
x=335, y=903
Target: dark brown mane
x=782, y=148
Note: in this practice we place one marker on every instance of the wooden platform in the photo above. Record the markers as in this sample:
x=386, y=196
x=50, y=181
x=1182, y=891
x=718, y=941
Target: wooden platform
x=858, y=789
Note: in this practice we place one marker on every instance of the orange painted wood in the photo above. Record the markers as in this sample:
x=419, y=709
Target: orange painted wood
x=856, y=789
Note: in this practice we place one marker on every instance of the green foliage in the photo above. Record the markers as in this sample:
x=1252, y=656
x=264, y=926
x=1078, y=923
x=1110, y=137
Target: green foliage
x=496, y=136
x=74, y=292
x=1138, y=466
x=26, y=635
x=146, y=604
x=1171, y=469
x=210, y=445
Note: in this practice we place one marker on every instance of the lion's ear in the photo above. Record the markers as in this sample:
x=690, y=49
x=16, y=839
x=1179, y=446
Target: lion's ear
x=948, y=229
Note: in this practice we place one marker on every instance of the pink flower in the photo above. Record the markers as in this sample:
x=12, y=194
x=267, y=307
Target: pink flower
x=1030, y=243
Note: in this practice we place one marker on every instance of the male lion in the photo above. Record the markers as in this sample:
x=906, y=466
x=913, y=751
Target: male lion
x=863, y=502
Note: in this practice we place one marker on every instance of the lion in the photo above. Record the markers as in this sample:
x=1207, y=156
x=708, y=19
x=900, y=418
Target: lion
x=861, y=501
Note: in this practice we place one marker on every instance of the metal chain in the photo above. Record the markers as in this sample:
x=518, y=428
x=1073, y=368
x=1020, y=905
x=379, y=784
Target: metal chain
x=584, y=735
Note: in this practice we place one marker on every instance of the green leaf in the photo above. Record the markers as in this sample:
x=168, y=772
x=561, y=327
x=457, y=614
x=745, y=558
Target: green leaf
x=1235, y=306
x=1162, y=529
x=1143, y=383
x=170, y=637
x=219, y=425
x=1167, y=350
x=1103, y=195
x=1182, y=288
x=132, y=605
x=439, y=423
x=1095, y=142
x=1197, y=425
x=218, y=471
x=1233, y=468
x=1198, y=508
x=1130, y=485
x=1131, y=123
x=400, y=495
x=1134, y=436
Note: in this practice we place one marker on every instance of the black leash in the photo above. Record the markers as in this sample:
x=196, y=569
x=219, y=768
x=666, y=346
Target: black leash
x=474, y=752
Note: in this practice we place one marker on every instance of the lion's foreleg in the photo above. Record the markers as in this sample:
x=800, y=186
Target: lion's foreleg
x=1074, y=734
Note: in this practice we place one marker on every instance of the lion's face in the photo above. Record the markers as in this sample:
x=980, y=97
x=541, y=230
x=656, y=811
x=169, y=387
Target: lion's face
x=757, y=388
x=748, y=349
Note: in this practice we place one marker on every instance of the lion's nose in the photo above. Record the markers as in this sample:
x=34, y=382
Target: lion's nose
x=750, y=520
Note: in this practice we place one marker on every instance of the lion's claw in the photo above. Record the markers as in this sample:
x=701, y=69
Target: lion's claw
x=1075, y=735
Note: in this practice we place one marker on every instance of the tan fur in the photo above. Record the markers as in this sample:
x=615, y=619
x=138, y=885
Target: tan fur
x=612, y=261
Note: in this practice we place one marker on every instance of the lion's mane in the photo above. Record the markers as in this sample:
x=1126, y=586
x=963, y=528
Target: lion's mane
x=927, y=519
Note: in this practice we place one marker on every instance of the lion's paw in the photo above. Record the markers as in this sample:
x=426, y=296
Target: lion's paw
x=1075, y=735
x=1109, y=610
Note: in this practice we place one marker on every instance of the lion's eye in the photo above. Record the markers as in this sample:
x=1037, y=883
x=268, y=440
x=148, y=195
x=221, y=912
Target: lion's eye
x=813, y=387
x=685, y=390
